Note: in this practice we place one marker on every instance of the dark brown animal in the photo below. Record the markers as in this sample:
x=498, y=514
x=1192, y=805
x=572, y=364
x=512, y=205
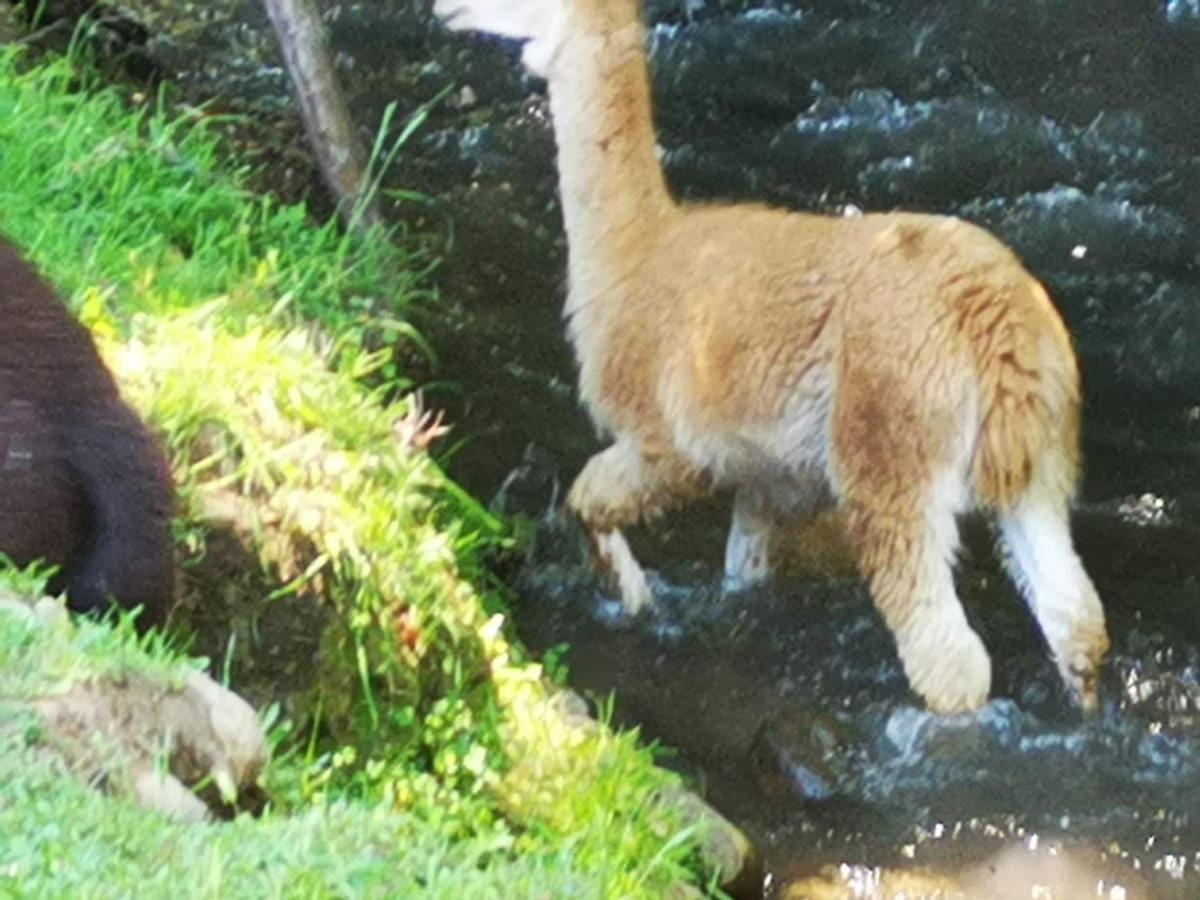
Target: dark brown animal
x=83, y=483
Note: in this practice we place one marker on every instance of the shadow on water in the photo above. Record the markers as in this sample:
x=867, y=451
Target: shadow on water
x=1069, y=127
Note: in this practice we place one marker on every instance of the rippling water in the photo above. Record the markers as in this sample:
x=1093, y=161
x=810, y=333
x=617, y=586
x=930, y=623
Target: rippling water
x=1073, y=131
x=1069, y=127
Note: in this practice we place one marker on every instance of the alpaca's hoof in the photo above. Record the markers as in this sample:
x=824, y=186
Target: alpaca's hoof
x=618, y=562
x=636, y=595
x=1081, y=676
x=952, y=676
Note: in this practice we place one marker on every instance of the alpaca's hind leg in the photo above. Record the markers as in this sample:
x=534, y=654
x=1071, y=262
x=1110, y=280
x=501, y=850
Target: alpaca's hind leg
x=758, y=512
x=1035, y=541
x=619, y=487
x=747, y=552
x=907, y=558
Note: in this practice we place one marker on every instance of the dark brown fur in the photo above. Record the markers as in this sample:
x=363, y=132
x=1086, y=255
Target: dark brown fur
x=83, y=483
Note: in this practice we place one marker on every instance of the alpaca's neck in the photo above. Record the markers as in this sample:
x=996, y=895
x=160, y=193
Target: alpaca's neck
x=612, y=186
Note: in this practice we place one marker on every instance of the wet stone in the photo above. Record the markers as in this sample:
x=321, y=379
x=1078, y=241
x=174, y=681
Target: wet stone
x=796, y=755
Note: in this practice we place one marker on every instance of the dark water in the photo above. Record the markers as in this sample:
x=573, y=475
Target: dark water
x=1072, y=129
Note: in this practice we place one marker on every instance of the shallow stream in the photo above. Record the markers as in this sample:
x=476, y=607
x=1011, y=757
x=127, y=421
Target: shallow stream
x=1072, y=129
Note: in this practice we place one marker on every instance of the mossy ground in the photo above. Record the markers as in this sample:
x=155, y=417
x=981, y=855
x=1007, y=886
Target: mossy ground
x=417, y=749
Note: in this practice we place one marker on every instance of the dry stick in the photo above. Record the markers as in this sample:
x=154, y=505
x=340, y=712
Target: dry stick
x=306, y=54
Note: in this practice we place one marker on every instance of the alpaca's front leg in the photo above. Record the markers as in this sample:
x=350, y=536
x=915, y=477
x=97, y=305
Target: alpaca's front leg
x=619, y=487
x=615, y=558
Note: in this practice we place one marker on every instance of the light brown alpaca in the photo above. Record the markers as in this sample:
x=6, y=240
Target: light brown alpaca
x=905, y=366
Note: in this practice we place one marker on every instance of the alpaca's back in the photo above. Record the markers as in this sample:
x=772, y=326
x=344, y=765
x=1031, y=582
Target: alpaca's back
x=736, y=335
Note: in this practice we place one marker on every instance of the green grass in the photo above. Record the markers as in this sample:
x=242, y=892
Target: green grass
x=36, y=661
x=61, y=838
x=425, y=751
x=133, y=194
x=344, y=850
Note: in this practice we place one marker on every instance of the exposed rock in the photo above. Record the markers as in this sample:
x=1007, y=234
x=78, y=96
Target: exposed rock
x=682, y=891
x=117, y=731
x=150, y=737
x=573, y=709
x=48, y=612
x=160, y=791
x=791, y=755
x=722, y=844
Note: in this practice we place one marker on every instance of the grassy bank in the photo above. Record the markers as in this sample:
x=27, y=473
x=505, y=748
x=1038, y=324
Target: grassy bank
x=419, y=749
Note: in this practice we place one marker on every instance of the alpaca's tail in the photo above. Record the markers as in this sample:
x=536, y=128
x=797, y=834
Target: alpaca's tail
x=1029, y=431
x=1026, y=466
